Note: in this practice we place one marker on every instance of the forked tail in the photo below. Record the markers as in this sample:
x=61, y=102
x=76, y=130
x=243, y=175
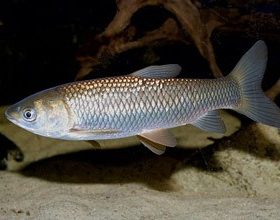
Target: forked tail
x=248, y=73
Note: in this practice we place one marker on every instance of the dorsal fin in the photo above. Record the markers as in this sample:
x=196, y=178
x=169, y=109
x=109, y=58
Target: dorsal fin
x=162, y=71
x=211, y=122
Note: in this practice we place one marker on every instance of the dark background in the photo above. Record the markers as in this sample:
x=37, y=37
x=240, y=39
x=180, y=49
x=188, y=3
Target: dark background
x=39, y=41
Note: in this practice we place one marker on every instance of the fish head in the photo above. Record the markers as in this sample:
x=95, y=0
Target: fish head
x=44, y=113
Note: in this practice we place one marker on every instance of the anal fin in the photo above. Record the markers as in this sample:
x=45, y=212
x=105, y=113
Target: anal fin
x=211, y=122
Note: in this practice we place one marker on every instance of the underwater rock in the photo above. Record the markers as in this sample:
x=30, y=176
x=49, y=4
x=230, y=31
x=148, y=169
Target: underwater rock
x=34, y=147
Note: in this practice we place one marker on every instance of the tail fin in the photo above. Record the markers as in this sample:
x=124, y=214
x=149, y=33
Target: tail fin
x=248, y=73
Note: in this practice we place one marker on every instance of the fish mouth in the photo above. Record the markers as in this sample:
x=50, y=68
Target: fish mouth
x=12, y=116
x=9, y=113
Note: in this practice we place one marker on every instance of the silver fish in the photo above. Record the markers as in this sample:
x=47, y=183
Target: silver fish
x=146, y=103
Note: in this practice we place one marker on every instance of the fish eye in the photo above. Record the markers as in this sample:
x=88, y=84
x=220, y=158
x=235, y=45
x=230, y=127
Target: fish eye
x=29, y=114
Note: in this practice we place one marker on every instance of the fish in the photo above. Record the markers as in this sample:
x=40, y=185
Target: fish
x=147, y=102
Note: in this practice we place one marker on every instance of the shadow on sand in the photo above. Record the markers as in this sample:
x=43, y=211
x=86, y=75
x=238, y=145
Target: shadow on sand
x=129, y=165
x=137, y=164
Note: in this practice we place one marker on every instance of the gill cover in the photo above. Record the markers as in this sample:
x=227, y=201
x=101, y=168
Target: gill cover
x=50, y=115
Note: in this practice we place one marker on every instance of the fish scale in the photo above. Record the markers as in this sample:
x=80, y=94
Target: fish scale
x=147, y=102
x=132, y=104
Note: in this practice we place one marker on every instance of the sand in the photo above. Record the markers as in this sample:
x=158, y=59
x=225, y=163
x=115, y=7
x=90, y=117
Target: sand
x=237, y=177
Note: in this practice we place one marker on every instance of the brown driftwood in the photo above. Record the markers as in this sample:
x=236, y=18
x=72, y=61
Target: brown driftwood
x=274, y=91
x=191, y=23
x=118, y=36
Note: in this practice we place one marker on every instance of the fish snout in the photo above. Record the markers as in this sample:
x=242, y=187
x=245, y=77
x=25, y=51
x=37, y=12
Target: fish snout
x=11, y=114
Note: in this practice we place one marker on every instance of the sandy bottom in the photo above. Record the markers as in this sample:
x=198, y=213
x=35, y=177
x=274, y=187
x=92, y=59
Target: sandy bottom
x=238, y=177
x=27, y=197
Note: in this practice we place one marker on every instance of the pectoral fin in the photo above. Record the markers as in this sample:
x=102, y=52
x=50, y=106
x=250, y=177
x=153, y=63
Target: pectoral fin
x=157, y=140
x=211, y=122
x=95, y=144
x=93, y=131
